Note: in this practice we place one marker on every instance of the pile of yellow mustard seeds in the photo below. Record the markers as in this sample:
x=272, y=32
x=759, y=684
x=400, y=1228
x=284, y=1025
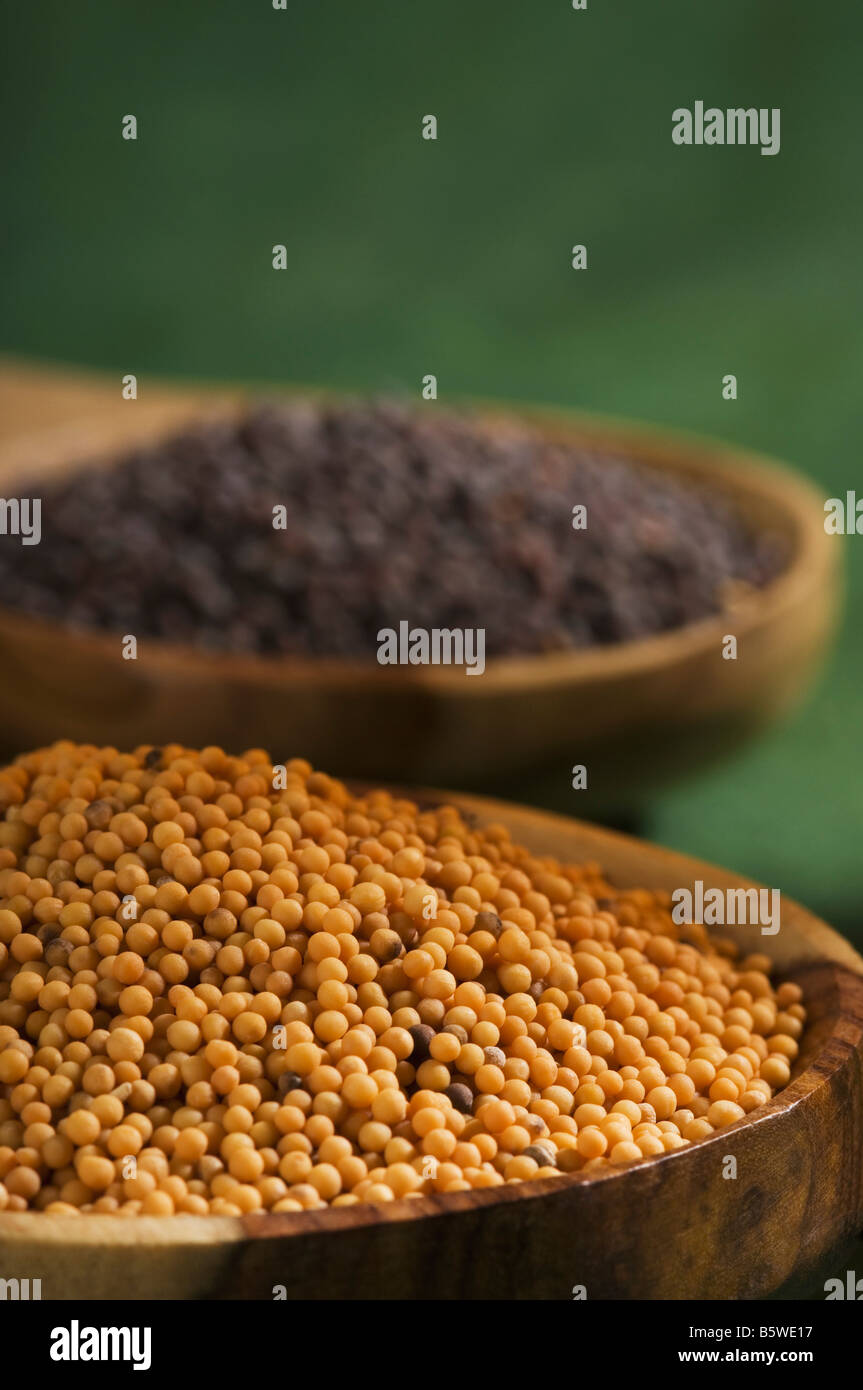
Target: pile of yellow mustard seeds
x=227, y=987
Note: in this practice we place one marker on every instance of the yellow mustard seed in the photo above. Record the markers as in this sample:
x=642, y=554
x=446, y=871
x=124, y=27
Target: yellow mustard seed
x=326, y=998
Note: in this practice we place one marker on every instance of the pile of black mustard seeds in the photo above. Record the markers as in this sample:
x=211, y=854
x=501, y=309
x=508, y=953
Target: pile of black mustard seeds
x=393, y=513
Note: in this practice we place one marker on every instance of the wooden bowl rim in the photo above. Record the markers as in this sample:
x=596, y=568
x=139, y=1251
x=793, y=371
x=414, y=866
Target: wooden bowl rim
x=840, y=957
x=726, y=469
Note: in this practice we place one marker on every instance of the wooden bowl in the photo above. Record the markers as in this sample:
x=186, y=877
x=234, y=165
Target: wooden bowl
x=635, y=713
x=665, y=1228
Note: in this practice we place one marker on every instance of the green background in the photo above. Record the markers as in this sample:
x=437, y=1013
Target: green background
x=406, y=257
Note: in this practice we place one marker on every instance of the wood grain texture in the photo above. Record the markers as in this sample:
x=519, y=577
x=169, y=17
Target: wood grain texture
x=671, y=1227
x=639, y=712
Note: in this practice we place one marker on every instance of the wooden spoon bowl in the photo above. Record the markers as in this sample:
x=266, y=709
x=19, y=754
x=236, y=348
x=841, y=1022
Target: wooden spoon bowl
x=636, y=713
x=670, y=1227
